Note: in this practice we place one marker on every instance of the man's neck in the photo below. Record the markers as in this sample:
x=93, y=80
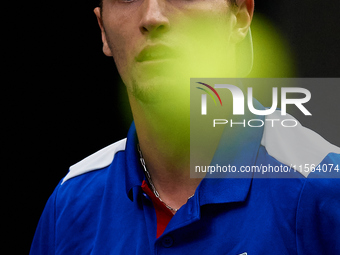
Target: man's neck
x=164, y=140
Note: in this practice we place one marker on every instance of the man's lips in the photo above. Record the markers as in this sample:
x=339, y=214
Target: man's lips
x=155, y=52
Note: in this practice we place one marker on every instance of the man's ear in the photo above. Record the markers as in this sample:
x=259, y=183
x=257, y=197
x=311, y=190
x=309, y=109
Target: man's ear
x=244, y=15
x=106, y=48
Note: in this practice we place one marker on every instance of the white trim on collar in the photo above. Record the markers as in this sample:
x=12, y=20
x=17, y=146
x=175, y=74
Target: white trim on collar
x=98, y=160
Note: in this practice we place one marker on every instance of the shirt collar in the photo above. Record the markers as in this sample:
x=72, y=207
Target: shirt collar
x=238, y=147
x=134, y=174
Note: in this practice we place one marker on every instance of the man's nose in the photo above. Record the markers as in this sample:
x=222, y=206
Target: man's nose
x=154, y=19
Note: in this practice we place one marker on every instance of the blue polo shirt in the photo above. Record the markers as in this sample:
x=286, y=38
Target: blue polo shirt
x=100, y=207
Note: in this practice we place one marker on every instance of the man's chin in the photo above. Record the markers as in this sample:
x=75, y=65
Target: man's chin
x=158, y=85
x=160, y=81
x=156, y=89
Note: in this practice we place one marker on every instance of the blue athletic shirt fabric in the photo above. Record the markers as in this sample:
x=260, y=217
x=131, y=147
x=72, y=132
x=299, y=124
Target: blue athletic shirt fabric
x=100, y=208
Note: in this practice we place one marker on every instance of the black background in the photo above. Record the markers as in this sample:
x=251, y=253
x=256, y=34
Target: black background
x=63, y=99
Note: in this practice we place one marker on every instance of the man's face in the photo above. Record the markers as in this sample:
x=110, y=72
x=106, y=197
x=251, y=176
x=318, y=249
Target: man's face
x=157, y=44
